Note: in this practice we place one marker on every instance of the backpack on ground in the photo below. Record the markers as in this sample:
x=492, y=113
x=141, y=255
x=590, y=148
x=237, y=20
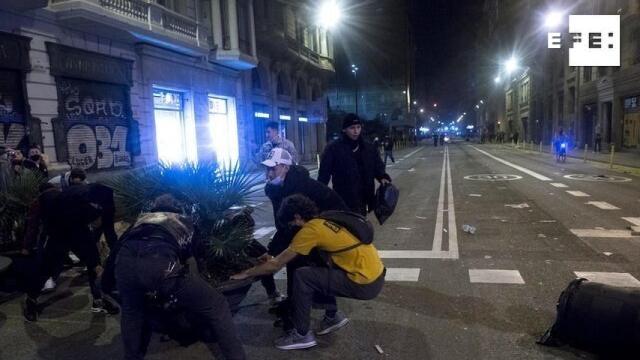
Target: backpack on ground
x=598, y=318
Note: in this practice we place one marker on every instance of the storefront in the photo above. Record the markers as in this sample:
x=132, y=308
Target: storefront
x=303, y=133
x=631, y=122
x=15, y=121
x=286, y=122
x=94, y=129
x=261, y=117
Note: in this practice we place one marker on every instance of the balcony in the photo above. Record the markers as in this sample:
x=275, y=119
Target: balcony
x=139, y=20
x=234, y=34
x=311, y=56
x=23, y=5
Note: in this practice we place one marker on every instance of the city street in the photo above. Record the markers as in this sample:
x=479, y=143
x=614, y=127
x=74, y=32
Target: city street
x=449, y=294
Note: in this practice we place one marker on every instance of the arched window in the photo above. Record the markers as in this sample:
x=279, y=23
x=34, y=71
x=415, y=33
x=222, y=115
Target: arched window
x=283, y=84
x=256, y=82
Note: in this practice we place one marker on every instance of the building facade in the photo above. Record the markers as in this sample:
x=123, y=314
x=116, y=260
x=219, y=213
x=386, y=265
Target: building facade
x=112, y=84
x=546, y=95
x=289, y=83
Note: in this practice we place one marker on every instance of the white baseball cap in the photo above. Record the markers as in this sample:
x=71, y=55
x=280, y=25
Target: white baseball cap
x=278, y=156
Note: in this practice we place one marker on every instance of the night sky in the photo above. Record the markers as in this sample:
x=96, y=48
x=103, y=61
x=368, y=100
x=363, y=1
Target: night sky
x=444, y=34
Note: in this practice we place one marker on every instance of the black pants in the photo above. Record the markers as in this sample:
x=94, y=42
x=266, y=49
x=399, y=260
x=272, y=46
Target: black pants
x=54, y=253
x=328, y=282
x=388, y=154
x=142, y=268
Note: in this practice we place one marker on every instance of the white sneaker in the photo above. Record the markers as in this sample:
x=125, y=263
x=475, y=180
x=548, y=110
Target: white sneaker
x=50, y=285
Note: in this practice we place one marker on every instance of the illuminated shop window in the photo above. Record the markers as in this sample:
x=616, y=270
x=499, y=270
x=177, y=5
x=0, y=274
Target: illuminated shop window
x=224, y=129
x=175, y=131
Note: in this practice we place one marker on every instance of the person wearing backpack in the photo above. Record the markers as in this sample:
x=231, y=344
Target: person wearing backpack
x=354, y=270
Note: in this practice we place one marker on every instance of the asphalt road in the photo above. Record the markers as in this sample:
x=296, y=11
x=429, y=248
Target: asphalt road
x=450, y=294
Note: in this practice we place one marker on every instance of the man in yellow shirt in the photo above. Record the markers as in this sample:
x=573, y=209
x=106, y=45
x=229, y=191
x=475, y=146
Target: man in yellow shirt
x=355, y=270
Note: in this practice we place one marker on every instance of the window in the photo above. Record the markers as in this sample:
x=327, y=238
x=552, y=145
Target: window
x=224, y=129
x=586, y=73
x=175, y=131
x=509, y=101
x=244, y=26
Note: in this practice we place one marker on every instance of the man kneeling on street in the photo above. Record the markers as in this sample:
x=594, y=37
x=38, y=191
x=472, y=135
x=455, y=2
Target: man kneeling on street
x=355, y=270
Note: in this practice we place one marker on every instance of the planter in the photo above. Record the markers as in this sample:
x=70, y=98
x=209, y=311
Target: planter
x=235, y=291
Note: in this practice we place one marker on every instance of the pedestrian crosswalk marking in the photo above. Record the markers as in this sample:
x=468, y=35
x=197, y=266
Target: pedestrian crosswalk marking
x=559, y=185
x=603, y=205
x=416, y=254
x=599, y=233
x=610, y=278
x=402, y=274
x=633, y=220
x=487, y=276
x=578, y=193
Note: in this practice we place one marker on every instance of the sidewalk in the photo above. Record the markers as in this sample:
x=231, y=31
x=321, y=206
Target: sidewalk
x=630, y=159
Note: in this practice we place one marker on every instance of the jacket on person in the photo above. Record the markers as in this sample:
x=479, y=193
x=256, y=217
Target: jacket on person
x=298, y=181
x=356, y=186
x=278, y=143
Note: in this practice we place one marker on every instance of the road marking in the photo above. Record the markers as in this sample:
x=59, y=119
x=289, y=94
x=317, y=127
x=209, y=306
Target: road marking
x=414, y=254
x=559, y=185
x=633, y=220
x=402, y=274
x=586, y=233
x=603, y=205
x=453, y=234
x=475, y=195
x=495, y=276
x=412, y=153
x=610, y=278
x=517, y=167
x=411, y=170
x=518, y=206
x=578, y=193
x=263, y=231
x=403, y=228
x=437, y=234
x=421, y=217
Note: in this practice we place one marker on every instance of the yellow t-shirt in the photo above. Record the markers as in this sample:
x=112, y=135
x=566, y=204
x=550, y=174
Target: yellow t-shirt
x=362, y=264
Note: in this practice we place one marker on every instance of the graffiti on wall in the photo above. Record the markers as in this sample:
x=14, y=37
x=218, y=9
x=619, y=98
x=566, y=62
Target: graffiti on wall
x=12, y=112
x=94, y=124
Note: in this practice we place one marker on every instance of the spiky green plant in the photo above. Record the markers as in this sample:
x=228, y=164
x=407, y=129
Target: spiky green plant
x=17, y=193
x=208, y=192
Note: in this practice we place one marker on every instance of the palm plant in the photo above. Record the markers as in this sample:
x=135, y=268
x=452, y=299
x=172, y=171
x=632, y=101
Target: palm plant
x=17, y=193
x=208, y=192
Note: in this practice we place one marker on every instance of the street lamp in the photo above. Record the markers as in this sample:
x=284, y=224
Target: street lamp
x=435, y=105
x=553, y=19
x=421, y=110
x=329, y=14
x=415, y=102
x=512, y=65
x=497, y=79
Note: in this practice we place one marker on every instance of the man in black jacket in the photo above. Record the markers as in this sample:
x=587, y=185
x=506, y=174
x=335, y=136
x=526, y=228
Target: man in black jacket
x=352, y=164
x=285, y=179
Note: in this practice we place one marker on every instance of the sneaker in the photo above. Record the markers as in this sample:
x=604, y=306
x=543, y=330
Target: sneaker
x=49, y=286
x=329, y=325
x=295, y=341
x=30, y=311
x=276, y=298
x=105, y=306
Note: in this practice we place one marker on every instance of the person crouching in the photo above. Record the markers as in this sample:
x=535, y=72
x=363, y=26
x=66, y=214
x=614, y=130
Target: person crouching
x=355, y=270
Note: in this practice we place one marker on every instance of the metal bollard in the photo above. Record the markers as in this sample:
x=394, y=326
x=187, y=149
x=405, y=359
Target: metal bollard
x=318, y=160
x=585, y=153
x=541, y=147
x=613, y=151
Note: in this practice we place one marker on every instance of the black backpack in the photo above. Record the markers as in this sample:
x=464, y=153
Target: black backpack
x=354, y=223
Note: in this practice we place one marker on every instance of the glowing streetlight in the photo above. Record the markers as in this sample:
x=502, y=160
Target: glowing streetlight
x=553, y=19
x=415, y=102
x=435, y=105
x=421, y=110
x=329, y=14
x=511, y=65
x=497, y=79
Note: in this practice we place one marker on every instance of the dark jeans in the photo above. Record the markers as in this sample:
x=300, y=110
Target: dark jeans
x=329, y=282
x=55, y=252
x=144, y=267
x=598, y=146
x=388, y=154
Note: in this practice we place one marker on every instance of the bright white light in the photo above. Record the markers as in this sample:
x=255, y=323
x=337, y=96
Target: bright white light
x=512, y=65
x=435, y=105
x=464, y=113
x=329, y=14
x=415, y=102
x=421, y=110
x=404, y=92
x=481, y=101
x=432, y=119
x=303, y=119
x=262, y=115
x=470, y=127
x=497, y=79
x=553, y=19
x=285, y=117
x=477, y=106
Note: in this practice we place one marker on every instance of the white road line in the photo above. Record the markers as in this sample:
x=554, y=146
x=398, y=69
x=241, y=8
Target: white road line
x=412, y=153
x=453, y=229
x=559, y=185
x=402, y=274
x=634, y=220
x=610, y=278
x=578, y=193
x=263, y=231
x=414, y=254
x=586, y=233
x=603, y=205
x=517, y=167
x=437, y=234
x=486, y=276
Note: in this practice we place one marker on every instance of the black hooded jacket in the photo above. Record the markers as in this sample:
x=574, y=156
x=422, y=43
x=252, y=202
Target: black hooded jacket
x=298, y=181
x=352, y=174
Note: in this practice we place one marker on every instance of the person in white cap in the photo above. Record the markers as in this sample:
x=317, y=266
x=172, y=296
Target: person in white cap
x=286, y=179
